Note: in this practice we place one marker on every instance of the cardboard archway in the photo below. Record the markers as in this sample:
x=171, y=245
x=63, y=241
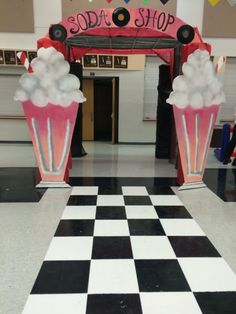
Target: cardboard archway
x=144, y=31
x=126, y=31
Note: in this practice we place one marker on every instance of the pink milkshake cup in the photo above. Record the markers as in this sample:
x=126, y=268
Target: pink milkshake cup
x=196, y=98
x=51, y=129
x=194, y=129
x=50, y=98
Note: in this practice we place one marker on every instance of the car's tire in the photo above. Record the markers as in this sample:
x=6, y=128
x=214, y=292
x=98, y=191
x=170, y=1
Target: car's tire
x=58, y=32
x=185, y=34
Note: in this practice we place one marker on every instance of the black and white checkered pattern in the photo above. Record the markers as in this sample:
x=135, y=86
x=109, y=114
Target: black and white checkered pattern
x=131, y=253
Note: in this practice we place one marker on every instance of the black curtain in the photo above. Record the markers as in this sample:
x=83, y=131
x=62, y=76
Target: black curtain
x=77, y=149
x=164, y=114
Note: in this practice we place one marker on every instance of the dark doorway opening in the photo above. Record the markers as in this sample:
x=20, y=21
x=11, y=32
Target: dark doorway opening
x=103, y=109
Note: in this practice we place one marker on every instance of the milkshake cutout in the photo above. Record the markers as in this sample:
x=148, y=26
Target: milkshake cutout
x=50, y=97
x=196, y=97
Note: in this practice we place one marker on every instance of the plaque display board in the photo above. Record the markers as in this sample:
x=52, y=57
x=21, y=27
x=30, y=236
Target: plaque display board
x=219, y=21
x=70, y=7
x=8, y=57
x=16, y=16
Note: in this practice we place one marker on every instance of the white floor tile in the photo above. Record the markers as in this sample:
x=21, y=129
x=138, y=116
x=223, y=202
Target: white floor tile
x=113, y=276
x=208, y=274
x=134, y=190
x=169, y=303
x=110, y=200
x=79, y=212
x=141, y=212
x=181, y=227
x=111, y=228
x=56, y=304
x=84, y=190
x=165, y=200
x=70, y=248
x=152, y=247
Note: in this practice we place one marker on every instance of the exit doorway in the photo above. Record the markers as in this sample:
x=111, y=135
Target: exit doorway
x=100, y=111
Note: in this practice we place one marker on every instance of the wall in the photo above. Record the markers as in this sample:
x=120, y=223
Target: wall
x=49, y=12
x=131, y=98
x=131, y=94
x=191, y=11
x=132, y=128
x=10, y=129
x=69, y=7
x=45, y=13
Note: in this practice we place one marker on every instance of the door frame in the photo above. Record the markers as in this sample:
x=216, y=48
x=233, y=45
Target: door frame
x=116, y=103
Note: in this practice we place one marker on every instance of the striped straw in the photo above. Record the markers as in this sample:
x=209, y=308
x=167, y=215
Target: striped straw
x=24, y=61
x=220, y=64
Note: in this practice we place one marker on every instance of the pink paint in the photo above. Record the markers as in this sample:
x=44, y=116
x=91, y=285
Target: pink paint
x=146, y=20
x=51, y=129
x=194, y=131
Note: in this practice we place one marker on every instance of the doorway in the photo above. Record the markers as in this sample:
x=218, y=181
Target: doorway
x=100, y=111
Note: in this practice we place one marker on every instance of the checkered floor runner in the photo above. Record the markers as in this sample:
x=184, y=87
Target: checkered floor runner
x=137, y=252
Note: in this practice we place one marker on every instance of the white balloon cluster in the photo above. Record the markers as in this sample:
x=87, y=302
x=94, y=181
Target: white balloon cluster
x=50, y=81
x=198, y=86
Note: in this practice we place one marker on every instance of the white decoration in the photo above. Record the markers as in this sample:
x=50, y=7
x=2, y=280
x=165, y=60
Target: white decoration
x=232, y=2
x=199, y=85
x=50, y=81
x=29, y=82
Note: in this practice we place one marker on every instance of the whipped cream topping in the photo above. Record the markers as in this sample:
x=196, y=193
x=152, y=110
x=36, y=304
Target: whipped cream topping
x=199, y=85
x=50, y=81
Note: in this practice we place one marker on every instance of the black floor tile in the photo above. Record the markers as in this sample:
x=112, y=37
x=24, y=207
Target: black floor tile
x=109, y=189
x=137, y=200
x=82, y=181
x=148, y=182
x=18, y=185
x=110, y=212
x=62, y=277
x=173, y=212
x=108, y=181
x=70, y=228
x=114, y=304
x=145, y=227
x=123, y=181
x=159, y=190
x=108, y=185
x=217, y=302
x=160, y=275
x=193, y=247
x=222, y=182
x=82, y=200
x=111, y=248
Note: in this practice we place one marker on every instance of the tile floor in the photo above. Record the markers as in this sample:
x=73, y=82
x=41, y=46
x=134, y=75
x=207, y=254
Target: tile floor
x=129, y=233
x=131, y=253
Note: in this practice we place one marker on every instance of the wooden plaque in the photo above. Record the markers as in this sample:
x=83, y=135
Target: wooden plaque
x=121, y=62
x=105, y=61
x=1, y=57
x=90, y=61
x=10, y=57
